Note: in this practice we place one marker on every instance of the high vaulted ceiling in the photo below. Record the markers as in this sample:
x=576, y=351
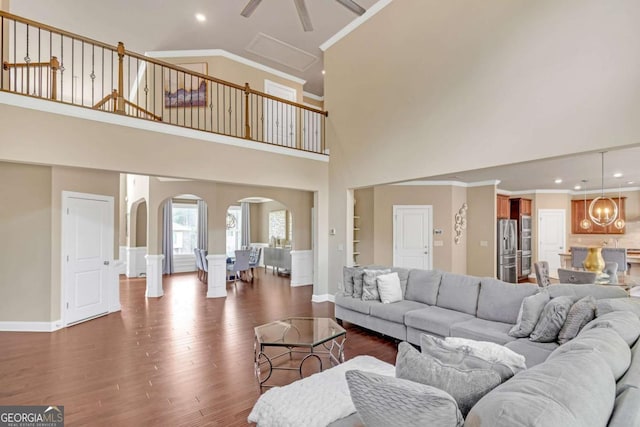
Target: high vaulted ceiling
x=153, y=25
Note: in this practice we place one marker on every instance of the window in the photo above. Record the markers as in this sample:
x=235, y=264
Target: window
x=234, y=226
x=185, y=228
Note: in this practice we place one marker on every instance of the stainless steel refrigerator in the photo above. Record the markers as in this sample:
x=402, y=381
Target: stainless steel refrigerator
x=507, y=250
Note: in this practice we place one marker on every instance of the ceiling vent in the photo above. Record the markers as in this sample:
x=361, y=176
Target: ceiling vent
x=280, y=52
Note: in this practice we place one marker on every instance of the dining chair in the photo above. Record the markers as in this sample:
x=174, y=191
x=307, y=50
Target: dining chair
x=617, y=255
x=199, y=269
x=578, y=255
x=576, y=277
x=611, y=269
x=240, y=264
x=254, y=258
x=542, y=273
x=205, y=265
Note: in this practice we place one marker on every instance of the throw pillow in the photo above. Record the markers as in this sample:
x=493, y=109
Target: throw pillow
x=466, y=386
x=491, y=352
x=384, y=401
x=529, y=313
x=389, y=288
x=358, y=283
x=463, y=356
x=347, y=280
x=581, y=313
x=370, y=284
x=607, y=305
x=625, y=323
x=551, y=319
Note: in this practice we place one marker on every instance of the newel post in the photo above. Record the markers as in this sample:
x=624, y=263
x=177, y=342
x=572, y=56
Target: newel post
x=120, y=104
x=55, y=66
x=247, y=126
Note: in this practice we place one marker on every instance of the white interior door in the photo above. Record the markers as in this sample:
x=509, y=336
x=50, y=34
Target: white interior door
x=87, y=252
x=412, y=231
x=551, y=236
x=279, y=118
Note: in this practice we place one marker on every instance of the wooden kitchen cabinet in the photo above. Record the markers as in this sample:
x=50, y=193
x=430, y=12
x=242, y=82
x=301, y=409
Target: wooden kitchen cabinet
x=503, y=206
x=520, y=207
x=578, y=214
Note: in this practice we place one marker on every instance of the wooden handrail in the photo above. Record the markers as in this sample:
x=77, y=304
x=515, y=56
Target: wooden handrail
x=113, y=96
x=6, y=65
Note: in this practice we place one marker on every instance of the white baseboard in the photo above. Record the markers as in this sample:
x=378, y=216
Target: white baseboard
x=323, y=298
x=30, y=326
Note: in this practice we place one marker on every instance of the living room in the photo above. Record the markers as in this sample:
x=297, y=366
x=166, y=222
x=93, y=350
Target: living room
x=449, y=88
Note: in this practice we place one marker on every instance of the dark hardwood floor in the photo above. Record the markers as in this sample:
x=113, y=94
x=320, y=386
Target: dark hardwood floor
x=179, y=360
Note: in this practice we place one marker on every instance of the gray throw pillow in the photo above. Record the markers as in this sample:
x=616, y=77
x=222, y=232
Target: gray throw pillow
x=530, y=311
x=551, y=319
x=608, y=305
x=580, y=313
x=358, y=282
x=625, y=323
x=370, y=284
x=347, y=280
x=384, y=401
x=463, y=357
x=466, y=386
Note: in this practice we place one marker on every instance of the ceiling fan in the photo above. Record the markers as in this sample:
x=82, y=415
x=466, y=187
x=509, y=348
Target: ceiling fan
x=303, y=13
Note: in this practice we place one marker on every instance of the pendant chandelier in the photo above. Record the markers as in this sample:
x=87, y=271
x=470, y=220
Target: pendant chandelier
x=585, y=224
x=619, y=223
x=603, y=211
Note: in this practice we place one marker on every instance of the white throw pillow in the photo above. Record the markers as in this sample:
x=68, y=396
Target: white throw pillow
x=491, y=351
x=389, y=288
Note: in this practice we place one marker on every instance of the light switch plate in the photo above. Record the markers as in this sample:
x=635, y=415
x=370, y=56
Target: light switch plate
x=438, y=243
x=484, y=243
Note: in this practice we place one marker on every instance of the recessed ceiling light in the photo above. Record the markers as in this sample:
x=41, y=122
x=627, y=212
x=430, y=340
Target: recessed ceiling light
x=577, y=187
x=200, y=17
x=617, y=175
x=629, y=182
x=558, y=181
x=323, y=72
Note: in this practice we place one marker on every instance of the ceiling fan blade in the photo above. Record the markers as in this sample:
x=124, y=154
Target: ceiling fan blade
x=352, y=6
x=303, y=13
x=250, y=8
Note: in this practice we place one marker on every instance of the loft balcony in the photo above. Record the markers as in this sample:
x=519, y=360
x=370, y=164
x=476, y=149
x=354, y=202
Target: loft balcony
x=39, y=61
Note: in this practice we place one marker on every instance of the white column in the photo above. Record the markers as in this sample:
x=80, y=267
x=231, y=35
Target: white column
x=136, y=265
x=154, y=276
x=114, y=286
x=122, y=256
x=217, y=281
x=301, y=268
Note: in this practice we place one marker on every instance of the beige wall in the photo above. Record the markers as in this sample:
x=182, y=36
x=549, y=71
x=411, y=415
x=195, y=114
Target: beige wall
x=25, y=253
x=364, y=208
x=141, y=225
x=263, y=218
x=81, y=181
x=516, y=81
x=481, y=231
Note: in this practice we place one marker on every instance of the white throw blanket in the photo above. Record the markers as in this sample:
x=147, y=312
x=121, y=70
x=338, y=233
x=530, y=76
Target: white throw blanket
x=317, y=400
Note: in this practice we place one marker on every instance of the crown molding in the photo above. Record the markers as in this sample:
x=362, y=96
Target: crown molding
x=312, y=96
x=223, y=53
x=355, y=24
x=609, y=191
x=449, y=183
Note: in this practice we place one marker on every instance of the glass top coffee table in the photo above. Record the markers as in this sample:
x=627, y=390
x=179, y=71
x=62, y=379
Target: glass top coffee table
x=297, y=335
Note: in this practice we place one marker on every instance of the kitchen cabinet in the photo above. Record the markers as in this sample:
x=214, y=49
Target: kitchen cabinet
x=503, y=208
x=578, y=214
x=520, y=210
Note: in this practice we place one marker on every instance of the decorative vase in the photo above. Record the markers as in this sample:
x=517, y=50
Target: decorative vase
x=594, y=261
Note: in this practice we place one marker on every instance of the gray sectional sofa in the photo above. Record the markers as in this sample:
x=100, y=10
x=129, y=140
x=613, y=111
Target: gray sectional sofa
x=447, y=304
x=592, y=380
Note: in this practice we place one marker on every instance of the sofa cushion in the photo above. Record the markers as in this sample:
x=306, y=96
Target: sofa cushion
x=347, y=279
x=533, y=352
x=471, y=354
x=551, y=319
x=403, y=275
x=529, y=313
x=574, y=389
x=632, y=377
x=466, y=386
x=459, y=292
x=624, y=323
x=395, y=312
x=370, y=284
x=358, y=283
x=482, y=330
x=423, y=285
x=581, y=312
x=435, y=320
x=389, y=288
x=355, y=304
x=383, y=401
x=606, y=342
x=607, y=305
x=581, y=291
x=500, y=301
x=625, y=412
